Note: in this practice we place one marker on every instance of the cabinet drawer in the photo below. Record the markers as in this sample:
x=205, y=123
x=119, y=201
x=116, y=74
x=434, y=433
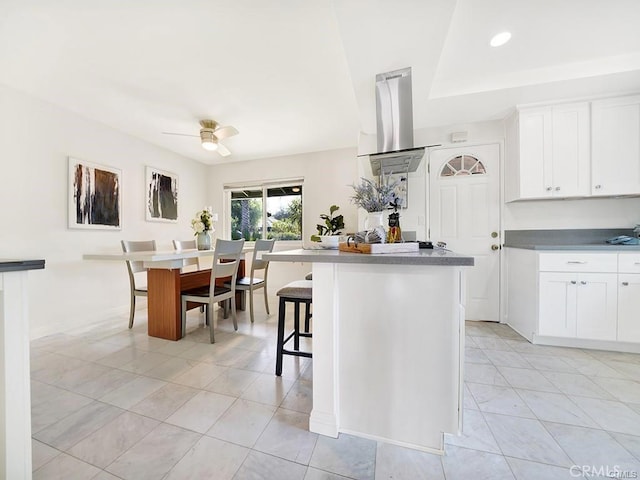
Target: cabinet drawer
x=629, y=263
x=578, y=262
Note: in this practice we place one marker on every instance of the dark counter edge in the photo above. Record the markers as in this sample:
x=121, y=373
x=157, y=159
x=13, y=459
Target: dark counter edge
x=586, y=239
x=581, y=247
x=450, y=260
x=563, y=238
x=19, y=265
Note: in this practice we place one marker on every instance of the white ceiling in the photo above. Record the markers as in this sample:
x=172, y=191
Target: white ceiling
x=298, y=76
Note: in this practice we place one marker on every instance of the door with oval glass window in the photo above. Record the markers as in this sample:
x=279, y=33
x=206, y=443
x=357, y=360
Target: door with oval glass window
x=464, y=212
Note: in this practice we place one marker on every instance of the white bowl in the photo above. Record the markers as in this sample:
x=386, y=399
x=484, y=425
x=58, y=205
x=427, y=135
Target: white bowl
x=331, y=240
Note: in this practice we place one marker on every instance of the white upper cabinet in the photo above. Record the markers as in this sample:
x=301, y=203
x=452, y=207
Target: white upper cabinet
x=536, y=177
x=548, y=152
x=616, y=146
x=571, y=150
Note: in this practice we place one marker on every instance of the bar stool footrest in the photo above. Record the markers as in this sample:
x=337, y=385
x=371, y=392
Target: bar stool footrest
x=297, y=353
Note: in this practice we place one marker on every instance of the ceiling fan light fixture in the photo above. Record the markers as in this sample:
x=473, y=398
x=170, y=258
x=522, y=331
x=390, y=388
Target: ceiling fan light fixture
x=209, y=145
x=500, y=39
x=208, y=139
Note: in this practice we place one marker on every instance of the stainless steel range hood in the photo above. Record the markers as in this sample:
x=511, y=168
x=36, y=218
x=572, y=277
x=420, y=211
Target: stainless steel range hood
x=394, y=122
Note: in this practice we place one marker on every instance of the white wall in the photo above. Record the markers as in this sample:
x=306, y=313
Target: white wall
x=540, y=214
x=35, y=140
x=327, y=178
x=583, y=213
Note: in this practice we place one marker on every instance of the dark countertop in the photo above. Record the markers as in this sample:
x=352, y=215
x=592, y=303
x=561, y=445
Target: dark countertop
x=436, y=257
x=11, y=265
x=593, y=239
x=601, y=247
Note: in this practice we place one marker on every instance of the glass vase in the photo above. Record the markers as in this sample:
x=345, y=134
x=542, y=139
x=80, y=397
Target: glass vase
x=203, y=241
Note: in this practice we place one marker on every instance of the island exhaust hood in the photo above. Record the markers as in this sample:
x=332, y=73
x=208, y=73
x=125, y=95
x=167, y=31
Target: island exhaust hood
x=394, y=125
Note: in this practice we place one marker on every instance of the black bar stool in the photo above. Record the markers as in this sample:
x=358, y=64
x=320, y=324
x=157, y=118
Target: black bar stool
x=298, y=292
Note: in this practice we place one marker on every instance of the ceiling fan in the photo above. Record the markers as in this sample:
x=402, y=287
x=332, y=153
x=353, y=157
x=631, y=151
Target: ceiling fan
x=210, y=135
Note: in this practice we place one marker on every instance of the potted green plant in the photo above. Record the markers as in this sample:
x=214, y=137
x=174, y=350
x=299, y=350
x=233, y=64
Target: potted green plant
x=332, y=226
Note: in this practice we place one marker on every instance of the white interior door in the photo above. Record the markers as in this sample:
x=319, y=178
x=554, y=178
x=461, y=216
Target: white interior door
x=464, y=212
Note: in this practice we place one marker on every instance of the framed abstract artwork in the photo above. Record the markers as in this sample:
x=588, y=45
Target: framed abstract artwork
x=95, y=196
x=402, y=188
x=162, y=195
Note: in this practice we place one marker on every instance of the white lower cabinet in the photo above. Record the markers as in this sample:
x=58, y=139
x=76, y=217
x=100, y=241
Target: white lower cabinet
x=629, y=307
x=557, y=315
x=575, y=298
x=597, y=306
x=579, y=305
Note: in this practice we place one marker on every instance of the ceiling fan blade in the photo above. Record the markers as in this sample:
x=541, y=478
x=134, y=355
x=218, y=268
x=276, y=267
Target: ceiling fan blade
x=222, y=150
x=225, y=132
x=180, y=134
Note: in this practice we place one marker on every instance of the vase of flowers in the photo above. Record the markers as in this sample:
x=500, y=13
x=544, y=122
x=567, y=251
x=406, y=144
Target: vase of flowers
x=202, y=226
x=374, y=197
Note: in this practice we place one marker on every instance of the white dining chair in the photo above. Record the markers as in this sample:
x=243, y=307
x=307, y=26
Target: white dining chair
x=187, y=263
x=226, y=259
x=137, y=285
x=252, y=283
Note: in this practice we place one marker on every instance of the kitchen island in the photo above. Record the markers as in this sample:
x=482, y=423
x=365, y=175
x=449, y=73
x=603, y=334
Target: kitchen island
x=388, y=344
x=15, y=384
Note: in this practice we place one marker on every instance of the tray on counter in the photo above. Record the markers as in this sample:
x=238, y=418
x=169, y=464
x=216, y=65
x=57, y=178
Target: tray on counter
x=378, y=247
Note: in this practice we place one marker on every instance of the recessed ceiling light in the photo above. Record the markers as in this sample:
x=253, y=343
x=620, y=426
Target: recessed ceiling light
x=500, y=39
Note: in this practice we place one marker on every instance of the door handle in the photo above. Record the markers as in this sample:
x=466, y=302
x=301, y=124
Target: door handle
x=495, y=247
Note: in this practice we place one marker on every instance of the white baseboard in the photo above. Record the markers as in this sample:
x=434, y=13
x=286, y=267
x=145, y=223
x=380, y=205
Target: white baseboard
x=611, y=345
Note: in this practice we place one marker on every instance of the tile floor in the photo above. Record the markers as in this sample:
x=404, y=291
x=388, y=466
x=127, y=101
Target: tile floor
x=111, y=403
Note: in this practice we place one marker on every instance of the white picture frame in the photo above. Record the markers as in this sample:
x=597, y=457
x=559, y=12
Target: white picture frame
x=95, y=196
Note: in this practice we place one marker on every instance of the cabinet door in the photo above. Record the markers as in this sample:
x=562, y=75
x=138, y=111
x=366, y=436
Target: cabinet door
x=535, y=153
x=628, y=307
x=571, y=150
x=557, y=310
x=616, y=146
x=597, y=306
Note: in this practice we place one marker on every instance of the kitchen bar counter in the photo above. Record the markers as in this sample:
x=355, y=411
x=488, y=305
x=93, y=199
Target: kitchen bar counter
x=8, y=265
x=15, y=387
x=388, y=344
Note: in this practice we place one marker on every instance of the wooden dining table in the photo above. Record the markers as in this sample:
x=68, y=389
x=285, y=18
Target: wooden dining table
x=165, y=284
